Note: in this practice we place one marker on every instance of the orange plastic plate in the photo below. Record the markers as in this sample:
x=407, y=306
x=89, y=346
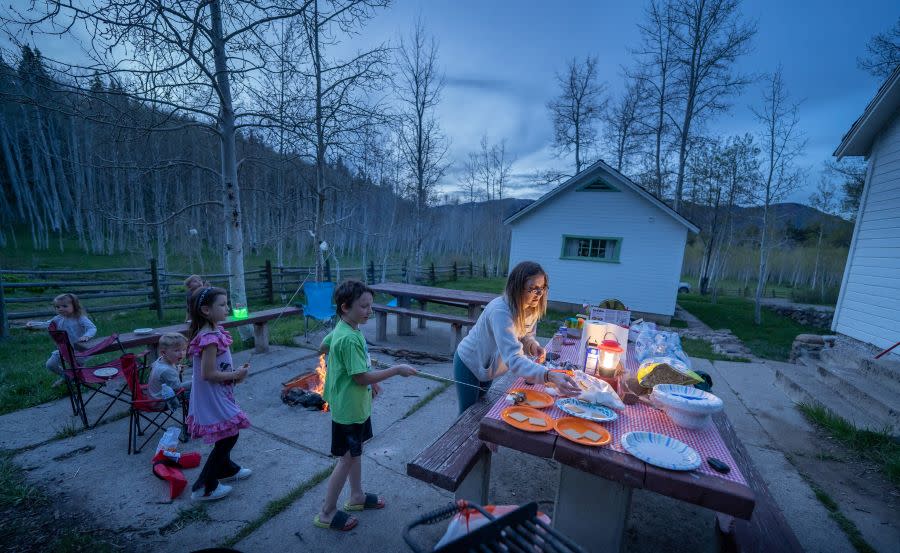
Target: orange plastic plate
x=528, y=412
x=581, y=426
x=541, y=399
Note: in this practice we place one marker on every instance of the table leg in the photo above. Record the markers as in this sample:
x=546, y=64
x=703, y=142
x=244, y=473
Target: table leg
x=403, y=321
x=474, y=311
x=591, y=511
x=422, y=305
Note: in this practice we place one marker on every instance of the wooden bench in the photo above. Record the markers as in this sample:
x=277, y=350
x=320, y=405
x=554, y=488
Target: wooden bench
x=767, y=529
x=458, y=461
x=260, y=321
x=457, y=322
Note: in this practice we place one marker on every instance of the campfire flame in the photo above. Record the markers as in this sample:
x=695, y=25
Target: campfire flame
x=321, y=369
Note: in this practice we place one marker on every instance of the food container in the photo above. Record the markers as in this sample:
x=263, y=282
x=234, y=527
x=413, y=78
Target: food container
x=688, y=407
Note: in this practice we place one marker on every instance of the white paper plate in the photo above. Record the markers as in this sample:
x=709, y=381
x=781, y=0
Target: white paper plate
x=661, y=451
x=592, y=411
x=143, y=330
x=106, y=372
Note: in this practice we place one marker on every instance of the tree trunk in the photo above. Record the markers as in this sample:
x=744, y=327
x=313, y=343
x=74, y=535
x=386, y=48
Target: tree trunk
x=234, y=233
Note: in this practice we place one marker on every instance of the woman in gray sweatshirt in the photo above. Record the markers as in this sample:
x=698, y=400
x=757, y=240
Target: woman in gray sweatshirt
x=503, y=338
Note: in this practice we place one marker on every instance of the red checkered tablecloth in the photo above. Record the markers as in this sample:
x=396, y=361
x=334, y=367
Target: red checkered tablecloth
x=707, y=442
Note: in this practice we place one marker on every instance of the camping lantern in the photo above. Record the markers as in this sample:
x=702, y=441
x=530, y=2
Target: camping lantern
x=239, y=311
x=610, y=352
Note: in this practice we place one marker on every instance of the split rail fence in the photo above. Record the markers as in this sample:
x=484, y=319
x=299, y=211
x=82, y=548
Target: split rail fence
x=28, y=294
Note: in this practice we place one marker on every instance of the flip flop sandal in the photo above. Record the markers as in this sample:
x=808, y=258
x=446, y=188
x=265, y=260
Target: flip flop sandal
x=341, y=522
x=372, y=502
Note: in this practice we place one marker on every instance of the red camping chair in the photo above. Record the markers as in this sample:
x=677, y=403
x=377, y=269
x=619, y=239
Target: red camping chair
x=83, y=385
x=147, y=412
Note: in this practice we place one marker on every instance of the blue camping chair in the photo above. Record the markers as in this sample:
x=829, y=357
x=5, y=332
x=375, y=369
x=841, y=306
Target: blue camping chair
x=318, y=304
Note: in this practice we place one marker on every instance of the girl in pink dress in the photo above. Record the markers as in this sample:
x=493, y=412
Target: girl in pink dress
x=213, y=413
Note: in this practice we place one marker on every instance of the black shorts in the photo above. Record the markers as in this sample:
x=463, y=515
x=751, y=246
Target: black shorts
x=349, y=437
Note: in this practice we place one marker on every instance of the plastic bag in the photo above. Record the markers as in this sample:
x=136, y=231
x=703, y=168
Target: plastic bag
x=594, y=390
x=169, y=440
x=470, y=520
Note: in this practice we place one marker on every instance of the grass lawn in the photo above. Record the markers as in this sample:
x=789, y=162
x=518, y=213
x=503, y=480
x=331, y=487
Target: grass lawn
x=24, y=382
x=703, y=349
x=770, y=340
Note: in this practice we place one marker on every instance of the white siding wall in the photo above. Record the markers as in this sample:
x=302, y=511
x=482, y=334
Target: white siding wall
x=869, y=305
x=647, y=275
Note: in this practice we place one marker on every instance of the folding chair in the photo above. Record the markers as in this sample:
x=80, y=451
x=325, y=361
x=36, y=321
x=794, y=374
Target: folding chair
x=146, y=412
x=81, y=380
x=318, y=304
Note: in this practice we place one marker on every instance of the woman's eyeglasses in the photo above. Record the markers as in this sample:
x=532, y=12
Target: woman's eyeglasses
x=537, y=290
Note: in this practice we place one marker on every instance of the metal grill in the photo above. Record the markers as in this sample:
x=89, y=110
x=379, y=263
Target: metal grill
x=517, y=532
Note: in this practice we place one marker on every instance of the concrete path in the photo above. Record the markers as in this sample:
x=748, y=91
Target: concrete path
x=288, y=450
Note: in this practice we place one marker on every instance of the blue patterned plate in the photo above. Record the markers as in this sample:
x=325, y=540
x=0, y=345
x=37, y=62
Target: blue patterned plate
x=585, y=410
x=661, y=451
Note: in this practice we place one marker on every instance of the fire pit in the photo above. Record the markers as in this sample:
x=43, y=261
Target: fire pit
x=306, y=390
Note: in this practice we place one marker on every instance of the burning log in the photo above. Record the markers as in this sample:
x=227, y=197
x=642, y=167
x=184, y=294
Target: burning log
x=306, y=389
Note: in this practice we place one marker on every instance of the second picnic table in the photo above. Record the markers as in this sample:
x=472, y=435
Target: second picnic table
x=595, y=483
x=405, y=293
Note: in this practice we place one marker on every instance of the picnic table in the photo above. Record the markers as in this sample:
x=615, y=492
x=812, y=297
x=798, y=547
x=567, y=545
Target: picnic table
x=258, y=319
x=405, y=293
x=596, y=483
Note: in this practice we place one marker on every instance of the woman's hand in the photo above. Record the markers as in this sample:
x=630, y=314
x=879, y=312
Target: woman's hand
x=565, y=383
x=537, y=352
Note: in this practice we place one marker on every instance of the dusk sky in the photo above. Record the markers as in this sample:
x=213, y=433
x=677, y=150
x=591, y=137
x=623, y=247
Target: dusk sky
x=500, y=60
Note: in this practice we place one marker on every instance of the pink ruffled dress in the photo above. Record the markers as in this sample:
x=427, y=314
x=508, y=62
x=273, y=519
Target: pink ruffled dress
x=213, y=413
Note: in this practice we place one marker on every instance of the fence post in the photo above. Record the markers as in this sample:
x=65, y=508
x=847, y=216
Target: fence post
x=371, y=275
x=431, y=276
x=484, y=270
x=154, y=285
x=470, y=269
x=4, y=328
x=327, y=270
x=454, y=270
x=403, y=276
x=270, y=286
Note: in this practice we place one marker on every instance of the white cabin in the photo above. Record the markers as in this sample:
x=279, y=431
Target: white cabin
x=868, y=306
x=599, y=235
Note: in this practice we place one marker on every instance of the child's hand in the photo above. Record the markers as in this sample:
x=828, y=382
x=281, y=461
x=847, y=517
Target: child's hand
x=84, y=339
x=242, y=373
x=376, y=390
x=405, y=370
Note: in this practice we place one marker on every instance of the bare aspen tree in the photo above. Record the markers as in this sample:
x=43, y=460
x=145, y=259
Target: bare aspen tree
x=781, y=143
x=882, y=52
x=577, y=110
x=825, y=200
x=423, y=145
x=655, y=58
x=708, y=37
x=625, y=124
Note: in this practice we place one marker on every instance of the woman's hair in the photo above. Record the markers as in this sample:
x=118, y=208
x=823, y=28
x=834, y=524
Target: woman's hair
x=203, y=297
x=516, y=283
x=77, y=310
x=188, y=280
x=348, y=292
x=171, y=340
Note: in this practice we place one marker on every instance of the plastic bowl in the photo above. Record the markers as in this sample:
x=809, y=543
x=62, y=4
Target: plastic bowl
x=687, y=407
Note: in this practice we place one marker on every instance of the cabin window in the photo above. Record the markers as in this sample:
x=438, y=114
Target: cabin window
x=591, y=248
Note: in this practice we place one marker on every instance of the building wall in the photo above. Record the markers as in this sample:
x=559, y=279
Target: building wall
x=868, y=307
x=649, y=268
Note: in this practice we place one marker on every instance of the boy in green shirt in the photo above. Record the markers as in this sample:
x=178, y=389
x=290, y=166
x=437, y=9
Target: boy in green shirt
x=350, y=385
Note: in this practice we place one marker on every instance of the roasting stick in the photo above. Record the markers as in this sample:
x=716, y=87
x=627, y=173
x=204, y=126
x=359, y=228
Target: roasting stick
x=429, y=375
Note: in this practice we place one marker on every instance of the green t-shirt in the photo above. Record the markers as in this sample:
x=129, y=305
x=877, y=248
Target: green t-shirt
x=348, y=354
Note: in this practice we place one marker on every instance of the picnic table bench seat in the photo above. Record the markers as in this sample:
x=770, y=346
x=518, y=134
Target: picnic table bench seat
x=457, y=322
x=767, y=529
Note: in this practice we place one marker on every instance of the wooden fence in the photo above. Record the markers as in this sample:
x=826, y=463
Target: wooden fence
x=28, y=294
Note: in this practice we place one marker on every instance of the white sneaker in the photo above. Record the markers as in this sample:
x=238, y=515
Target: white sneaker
x=221, y=491
x=242, y=474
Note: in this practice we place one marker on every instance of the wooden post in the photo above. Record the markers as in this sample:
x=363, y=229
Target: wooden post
x=154, y=285
x=432, y=278
x=270, y=288
x=484, y=270
x=403, y=275
x=4, y=327
x=455, y=274
x=471, y=272
x=327, y=270
x=371, y=276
